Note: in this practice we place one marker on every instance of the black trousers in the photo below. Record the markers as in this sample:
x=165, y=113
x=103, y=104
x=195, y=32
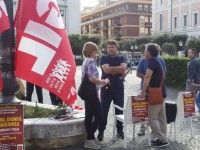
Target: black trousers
x=93, y=117
x=55, y=100
x=29, y=92
x=115, y=95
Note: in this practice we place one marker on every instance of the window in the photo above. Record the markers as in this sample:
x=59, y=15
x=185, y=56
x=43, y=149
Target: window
x=139, y=7
x=185, y=20
x=161, y=22
x=175, y=22
x=62, y=13
x=146, y=8
x=146, y=19
x=195, y=18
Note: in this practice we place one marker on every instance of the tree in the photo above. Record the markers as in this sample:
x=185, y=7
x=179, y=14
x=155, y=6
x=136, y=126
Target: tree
x=169, y=48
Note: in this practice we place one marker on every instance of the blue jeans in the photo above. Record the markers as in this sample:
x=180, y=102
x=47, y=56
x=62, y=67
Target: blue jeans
x=197, y=100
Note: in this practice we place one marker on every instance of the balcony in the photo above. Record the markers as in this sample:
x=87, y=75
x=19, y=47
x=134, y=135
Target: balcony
x=149, y=24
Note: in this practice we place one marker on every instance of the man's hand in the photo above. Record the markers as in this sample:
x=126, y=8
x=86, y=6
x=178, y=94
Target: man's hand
x=105, y=68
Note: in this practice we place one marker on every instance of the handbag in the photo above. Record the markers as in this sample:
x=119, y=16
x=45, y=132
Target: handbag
x=155, y=95
x=87, y=90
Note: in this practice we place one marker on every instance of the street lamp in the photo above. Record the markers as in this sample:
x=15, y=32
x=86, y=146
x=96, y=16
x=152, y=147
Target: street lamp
x=133, y=48
x=180, y=43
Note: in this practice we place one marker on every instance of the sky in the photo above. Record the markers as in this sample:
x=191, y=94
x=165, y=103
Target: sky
x=85, y=3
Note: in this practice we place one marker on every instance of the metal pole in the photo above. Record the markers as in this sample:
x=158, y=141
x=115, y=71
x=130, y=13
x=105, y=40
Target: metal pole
x=171, y=19
x=7, y=55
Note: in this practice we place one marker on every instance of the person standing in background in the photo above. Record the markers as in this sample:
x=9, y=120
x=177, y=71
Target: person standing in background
x=55, y=100
x=192, y=71
x=29, y=92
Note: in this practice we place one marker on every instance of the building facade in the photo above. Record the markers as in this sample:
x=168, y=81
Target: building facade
x=70, y=11
x=123, y=19
x=176, y=16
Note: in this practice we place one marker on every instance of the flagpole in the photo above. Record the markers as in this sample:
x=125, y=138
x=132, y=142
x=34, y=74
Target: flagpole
x=7, y=55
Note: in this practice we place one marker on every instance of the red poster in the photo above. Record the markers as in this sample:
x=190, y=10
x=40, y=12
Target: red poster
x=44, y=56
x=11, y=127
x=139, y=109
x=4, y=20
x=189, y=106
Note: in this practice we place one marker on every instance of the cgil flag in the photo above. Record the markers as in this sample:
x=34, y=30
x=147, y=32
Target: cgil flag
x=4, y=20
x=43, y=55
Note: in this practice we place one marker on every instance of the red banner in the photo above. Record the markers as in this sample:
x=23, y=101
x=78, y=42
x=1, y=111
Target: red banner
x=44, y=56
x=11, y=127
x=189, y=106
x=139, y=109
x=4, y=20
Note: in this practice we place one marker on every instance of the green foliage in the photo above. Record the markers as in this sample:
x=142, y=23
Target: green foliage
x=78, y=41
x=39, y=112
x=176, y=71
x=194, y=43
x=169, y=48
x=126, y=44
x=79, y=61
x=143, y=40
x=75, y=43
x=91, y=38
x=141, y=48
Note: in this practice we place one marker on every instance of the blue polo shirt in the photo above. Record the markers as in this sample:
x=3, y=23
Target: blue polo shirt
x=193, y=70
x=142, y=67
x=116, y=80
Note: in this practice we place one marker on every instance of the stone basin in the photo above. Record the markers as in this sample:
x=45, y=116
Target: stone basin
x=52, y=133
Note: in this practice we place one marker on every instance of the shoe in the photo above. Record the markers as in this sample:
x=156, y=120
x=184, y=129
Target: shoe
x=120, y=134
x=159, y=143
x=153, y=141
x=99, y=143
x=100, y=136
x=91, y=144
x=141, y=132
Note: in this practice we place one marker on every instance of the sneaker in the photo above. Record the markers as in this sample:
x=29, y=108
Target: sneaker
x=141, y=132
x=120, y=134
x=153, y=141
x=91, y=144
x=159, y=143
x=100, y=136
x=98, y=143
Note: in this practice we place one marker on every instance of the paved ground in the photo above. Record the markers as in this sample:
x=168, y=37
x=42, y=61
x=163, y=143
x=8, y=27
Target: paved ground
x=183, y=141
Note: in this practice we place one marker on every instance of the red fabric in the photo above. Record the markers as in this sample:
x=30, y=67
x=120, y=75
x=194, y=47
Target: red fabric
x=1, y=81
x=44, y=56
x=4, y=20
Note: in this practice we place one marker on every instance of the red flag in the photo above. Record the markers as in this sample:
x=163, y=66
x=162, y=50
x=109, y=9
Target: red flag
x=44, y=56
x=4, y=20
x=1, y=81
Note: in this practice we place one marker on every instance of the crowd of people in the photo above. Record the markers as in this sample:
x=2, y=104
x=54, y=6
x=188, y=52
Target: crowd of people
x=152, y=72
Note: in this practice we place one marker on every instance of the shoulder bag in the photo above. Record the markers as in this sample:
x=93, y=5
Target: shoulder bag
x=87, y=90
x=155, y=95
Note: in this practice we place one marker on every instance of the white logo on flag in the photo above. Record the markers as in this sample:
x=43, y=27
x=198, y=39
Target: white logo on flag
x=3, y=7
x=61, y=70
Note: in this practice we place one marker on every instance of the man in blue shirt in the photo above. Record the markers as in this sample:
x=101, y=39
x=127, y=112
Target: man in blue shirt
x=141, y=72
x=157, y=114
x=113, y=67
x=192, y=71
